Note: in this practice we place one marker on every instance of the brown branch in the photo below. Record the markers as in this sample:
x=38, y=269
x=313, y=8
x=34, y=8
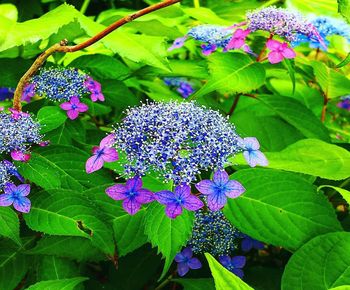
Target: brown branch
x=62, y=46
x=234, y=105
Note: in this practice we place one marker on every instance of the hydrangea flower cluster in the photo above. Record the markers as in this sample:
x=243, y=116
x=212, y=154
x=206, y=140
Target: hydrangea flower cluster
x=64, y=84
x=182, y=86
x=326, y=26
x=213, y=233
x=344, y=103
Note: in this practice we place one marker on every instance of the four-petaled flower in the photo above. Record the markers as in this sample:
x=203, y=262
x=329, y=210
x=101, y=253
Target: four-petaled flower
x=95, y=88
x=279, y=51
x=101, y=154
x=132, y=194
x=238, y=39
x=16, y=195
x=219, y=189
x=16, y=115
x=28, y=92
x=178, y=42
x=178, y=199
x=74, y=107
x=249, y=243
x=186, y=262
x=251, y=152
x=234, y=264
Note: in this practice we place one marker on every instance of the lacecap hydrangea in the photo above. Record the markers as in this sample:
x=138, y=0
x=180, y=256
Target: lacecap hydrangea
x=176, y=141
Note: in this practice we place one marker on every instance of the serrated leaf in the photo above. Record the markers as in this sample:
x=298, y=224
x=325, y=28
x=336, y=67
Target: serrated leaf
x=322, y=263
x=62, y=284
x=232, y=73
x=54, y=268
x=9, y=224
x=296, y=114
x=344, y=9
x=314, y=157
x=50, y=118
x=169, y=235
x=223, y=278
x=280, y=208
x=321, y=7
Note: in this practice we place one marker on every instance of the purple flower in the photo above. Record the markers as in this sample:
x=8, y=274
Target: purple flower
x=234, y=264
x=6, y=93
x=279, y=51
x=101, y=154
x=344, y=104
x=251, y=152
x=238, y=39
x=186, y=262
x=96, y=95
x=16, y=115
x=249, y=243
x=178, y=42
x=20, y=156
x=208, y=49
x=178, y=199
x=219, y=189
x=95, y=88
x=132, y=194
x=74, y=107
x=16, y=195
x=28, y=92
x=185, y=89
x=11, y=169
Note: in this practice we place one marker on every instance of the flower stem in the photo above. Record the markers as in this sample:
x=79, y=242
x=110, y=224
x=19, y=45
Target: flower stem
x=234, y=105
x=62, y=46
x=164, y=283
x=196, y=4
x=84, y=6
x=324, y=108
x=262, y=52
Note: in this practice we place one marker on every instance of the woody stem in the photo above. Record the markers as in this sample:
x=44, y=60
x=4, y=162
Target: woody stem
x=262, y=52
x=62, y=46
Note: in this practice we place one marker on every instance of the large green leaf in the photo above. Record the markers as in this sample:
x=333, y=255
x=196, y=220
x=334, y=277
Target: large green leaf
x=320, y=7
x=333, y=83
x=232, y=73
x=67, y=213
x=50, y=118
x=296, y=114
x=223, y=278
x=321, y=264
x=344, y=9
x=280, y=208
x=169, y=235
x=9, y=224
x=54, y=268
x=62, y=284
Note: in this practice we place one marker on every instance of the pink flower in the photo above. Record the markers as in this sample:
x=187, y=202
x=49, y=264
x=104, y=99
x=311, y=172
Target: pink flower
x=95, y=88
x=96, y=95
x=101, y=154
x=178, y=42
x=16, y=115
x=74, y=107
x=279, y=51
x=20, y=156
x=238, y=39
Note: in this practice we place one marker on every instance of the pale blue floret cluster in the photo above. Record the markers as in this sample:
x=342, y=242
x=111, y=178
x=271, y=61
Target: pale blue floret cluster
x=280, y=21
x=211, y=34
x=213, y=233
x=7, y=170
x=177, y=140
x=18, y=134
x=60, y=84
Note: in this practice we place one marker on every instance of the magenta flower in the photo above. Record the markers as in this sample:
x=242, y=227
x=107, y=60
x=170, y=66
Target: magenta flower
x=175, y=201
x=20, y=156
x=208, y=49
x=186, y=262
x=238, y=39
x=95, y=88
x=96, y=95
x=16, y=115
x=178, y=42
x=74, y=107
x=219, y=189
x=279, y=51
x=28, y=92
x=16, y=195
x=234, y=264
x=251, y=152
x=132, y=194
x=101, y=154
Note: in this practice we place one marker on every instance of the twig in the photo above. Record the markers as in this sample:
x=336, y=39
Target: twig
x=234, y=105
x=164, y=283
x=62, y=46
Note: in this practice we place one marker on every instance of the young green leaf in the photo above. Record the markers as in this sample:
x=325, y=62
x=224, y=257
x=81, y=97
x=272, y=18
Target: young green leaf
x=62, y=284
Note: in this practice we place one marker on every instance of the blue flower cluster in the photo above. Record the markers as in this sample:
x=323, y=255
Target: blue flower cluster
x=177, y=140
x=326, y=26
x=181, y=84
x=60, y=84
x=213, y=233
x=280, y=21
x=7, y=170
x=211, y=34
x=17, y=132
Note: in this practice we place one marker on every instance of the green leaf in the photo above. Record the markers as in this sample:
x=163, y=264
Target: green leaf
x=344, y=193
x=196, y=284
x=67, y=213
x=206, y=15
x=51, y=118
x=223, y=278
x=67, y=132
x=314, y=157
x=54, y=268
x=62, y=284
x=169, y=235
x=344, y=9
x=291, y=71
x=322, y=263
x=9, y=224
x=232, y=73
x=129, y=232
x=321, y=7
x=296, y=114
x=280, y=208
x=333, y=83
x=344, y=62
x=9, y=11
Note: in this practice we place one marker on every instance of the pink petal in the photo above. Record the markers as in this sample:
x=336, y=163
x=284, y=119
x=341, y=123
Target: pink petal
x=193, y=203
x=205, y=187
x=117, y=192
x=131, y=206
x=173, y=210
x=72, y=114
x=178, y=42
x=66, y=106
x=81, y=107
x=94, y=163
x=273, y=44
x=289, y=53
x=234, y=189
x=6, y=199
x=107, y=141
x=74, y=100
x=145, y=196
x=110, y=155
x=235, y=43
x=22, y=204
x=93, y=97
x=20, y=156
x=275, y=57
